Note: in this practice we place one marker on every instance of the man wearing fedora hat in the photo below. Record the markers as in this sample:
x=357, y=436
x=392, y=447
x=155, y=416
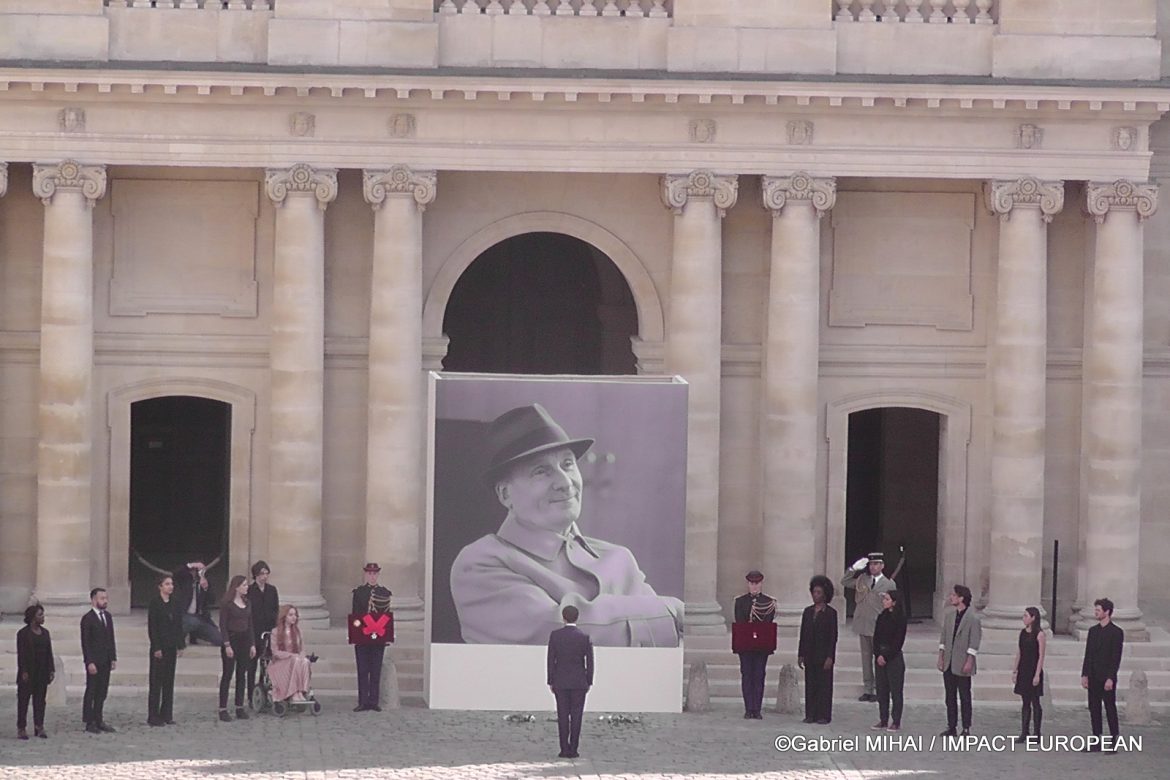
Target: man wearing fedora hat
x=510, y=587
x=374, y=599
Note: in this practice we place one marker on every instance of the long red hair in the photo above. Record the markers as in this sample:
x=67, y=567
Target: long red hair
x=287, y=637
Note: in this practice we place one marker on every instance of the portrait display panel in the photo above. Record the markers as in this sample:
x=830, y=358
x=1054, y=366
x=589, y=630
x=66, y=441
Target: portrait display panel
x=547, y=492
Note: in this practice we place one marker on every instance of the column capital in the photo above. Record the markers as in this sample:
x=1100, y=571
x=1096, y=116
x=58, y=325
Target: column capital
x=377, y=185
x=778, y=190
x=1121, y=195
x=1028, y=192
x=3, y=178
x=301, y=178
x=69, y=175
x=678, y=188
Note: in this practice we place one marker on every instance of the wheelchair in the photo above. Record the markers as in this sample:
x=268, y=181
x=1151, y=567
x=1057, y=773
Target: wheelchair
x=262, y=699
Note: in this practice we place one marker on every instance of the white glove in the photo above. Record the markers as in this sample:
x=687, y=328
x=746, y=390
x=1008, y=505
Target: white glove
x=860, y=564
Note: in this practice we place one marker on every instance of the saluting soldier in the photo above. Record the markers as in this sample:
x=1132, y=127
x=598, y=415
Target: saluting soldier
x=755, y=606
x=866, y=578
x=372, y=599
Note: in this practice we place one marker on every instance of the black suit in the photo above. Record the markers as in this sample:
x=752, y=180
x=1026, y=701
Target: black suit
x=1102, y=661
x=164, y=626
x=817, y=644
x=97, y=648
x=570, y=675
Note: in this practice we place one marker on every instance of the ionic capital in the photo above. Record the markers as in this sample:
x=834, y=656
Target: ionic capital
x=677, y=189
x=778, y=190
x=377, y=185
x=1121, y=195
x=321, y=183
x=1028, y=192
x=69, y=176
x=3, y=178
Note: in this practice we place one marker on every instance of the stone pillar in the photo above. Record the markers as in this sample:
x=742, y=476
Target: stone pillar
x=395, y=468
x=1019, y=383
x=1111, y=430
x=65, y=416
x=790, y=402
x=297, y=365
x=693, y=350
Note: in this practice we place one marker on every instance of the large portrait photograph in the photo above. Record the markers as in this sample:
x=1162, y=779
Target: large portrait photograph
x=550, y=492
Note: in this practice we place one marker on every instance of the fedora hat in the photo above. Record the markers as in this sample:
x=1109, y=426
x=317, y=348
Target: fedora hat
x=524, y=431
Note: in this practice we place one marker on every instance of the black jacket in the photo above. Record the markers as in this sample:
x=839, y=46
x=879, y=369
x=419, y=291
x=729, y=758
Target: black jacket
x=265, y=606
x=26, y=661
x=1103, y=653
x=889, y=633
x=164, y=624
x=818, y=635
x=97, y=642
x=570, y=659
x=184, y=584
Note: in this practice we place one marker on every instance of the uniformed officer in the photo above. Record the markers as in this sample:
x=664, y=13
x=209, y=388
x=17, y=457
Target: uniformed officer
x=755, y=606
x=865, y=576
x=372, y=599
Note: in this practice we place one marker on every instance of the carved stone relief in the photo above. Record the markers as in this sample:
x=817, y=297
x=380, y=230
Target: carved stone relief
x=302, y=124
x=402, y=126
x=702, y=131
x=800, y=132
x=1029, y=137
x=71, y=120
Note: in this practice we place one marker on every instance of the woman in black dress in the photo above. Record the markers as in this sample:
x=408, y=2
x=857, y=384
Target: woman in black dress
x=34, y=671
x=1028, y=672
x=889, y=635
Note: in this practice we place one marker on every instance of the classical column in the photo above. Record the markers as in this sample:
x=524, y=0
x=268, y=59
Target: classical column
x=297, y=368
x=69, y=190
x=395, y=469
x=1019, y=383
x=1111, y=429
x=693, y=350
x=791, y=370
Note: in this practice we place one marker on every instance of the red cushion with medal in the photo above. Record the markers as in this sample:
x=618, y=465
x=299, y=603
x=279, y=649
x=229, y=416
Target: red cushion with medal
x=746, y=637
x=371, y=629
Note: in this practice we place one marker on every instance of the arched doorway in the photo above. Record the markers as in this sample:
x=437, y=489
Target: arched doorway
x=180, y=482
x=541, y=303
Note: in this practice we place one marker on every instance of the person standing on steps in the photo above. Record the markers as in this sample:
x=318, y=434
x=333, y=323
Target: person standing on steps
x=100, y=654
x=239, y=648
x=370, y=599
x=34, y=671
x=164, y=626
x=869, y=583
x=1028, y=672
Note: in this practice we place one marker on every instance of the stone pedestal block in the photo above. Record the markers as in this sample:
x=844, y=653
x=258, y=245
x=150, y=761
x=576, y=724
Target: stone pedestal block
x=698, y=688
x=788, y=691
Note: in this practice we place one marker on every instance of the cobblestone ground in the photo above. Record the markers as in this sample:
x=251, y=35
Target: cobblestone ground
x=417, y=743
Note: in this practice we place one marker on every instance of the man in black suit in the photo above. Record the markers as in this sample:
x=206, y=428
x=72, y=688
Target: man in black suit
x=193, y=598
x=1099, y=670
x=101, y=658
x=570, y=675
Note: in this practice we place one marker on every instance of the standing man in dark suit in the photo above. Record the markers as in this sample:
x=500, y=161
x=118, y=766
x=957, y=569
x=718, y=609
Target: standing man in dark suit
x=370, y=599
x=755, y=606
x=101, y=658
x=164, y=628
x=1099, y=670
x=265, y=604
x=570, y=676
x=817, y=651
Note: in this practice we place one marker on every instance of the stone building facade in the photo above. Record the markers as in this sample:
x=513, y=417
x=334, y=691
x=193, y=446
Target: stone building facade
x=940, y=214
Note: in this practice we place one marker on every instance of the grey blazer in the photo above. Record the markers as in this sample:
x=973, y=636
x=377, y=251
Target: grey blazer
x=964, y=643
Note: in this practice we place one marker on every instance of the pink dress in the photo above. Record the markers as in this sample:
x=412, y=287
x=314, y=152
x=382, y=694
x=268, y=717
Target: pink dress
x=288, y=670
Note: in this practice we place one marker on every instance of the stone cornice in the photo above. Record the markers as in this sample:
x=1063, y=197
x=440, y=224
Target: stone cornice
x=777, y=191
x=69, y=175
x=377, y=185
x=1028, y=192
x=321, y=183
x=677, y=189
x=1121, y=195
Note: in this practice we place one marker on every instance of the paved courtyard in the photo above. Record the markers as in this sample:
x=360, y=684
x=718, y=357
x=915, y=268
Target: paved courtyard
x=417, y=743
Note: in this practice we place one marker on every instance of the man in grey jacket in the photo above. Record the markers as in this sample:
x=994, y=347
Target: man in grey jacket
x=510, y=587
x=958, y=645
x=866, y=578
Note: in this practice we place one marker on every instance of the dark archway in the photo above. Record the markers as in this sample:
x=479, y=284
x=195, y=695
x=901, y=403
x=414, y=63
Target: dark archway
x=541, y=303
x=180, y=476
x=892, y=495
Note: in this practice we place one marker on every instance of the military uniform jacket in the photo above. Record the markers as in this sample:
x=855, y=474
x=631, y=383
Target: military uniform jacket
x=507, y=591
x=868, y=598
x=361, y=599
x=957, y=646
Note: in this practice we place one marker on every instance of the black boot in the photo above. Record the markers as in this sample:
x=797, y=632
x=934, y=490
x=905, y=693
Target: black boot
x=1037, y=717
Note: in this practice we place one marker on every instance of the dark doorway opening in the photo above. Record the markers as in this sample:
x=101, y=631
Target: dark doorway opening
x=180, y=477
x=892, y=493
x=541, y=303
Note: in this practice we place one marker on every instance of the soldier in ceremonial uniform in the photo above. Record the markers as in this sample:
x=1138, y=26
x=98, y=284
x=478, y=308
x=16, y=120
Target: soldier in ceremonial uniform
x=866, y=578
x=373, y=599
x=755, y=606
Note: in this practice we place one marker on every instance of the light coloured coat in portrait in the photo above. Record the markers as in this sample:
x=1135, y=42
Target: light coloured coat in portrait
x=957, y=647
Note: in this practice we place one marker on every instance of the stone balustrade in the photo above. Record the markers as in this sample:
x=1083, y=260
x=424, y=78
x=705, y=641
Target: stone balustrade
x=917, y=11
x=204, y=5
x=605, y=8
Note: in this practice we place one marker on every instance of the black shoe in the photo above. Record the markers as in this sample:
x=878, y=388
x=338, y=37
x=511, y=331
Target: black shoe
x=155, y=722
x=374, y=707
x=1020, y=739
x=241, y=713
x=360, y=708
x=563, y=754
x=823, y=722
x=965, y=733
x=948, y=733
x=223, y=715
x=169, y=723
x=747, y=715
x=758, y=715
x=92, y=728
x=107, y=729
x=809, y=720
x=867, y=697
x=575, y=754
x=1093, y=749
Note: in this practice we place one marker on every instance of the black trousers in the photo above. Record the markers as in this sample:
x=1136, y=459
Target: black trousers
x=241, y=643
x=891, y=680
x=96, y=688
x=369, y=672
x=1098, y=696
x=960, y=686
x=161, y=696
x=818, y=691
x=753, y=670
x=1031, y=711
x=35, y=689
x=570, y=708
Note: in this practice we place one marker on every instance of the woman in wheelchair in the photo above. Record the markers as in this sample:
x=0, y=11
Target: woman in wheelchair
x=289, y=667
